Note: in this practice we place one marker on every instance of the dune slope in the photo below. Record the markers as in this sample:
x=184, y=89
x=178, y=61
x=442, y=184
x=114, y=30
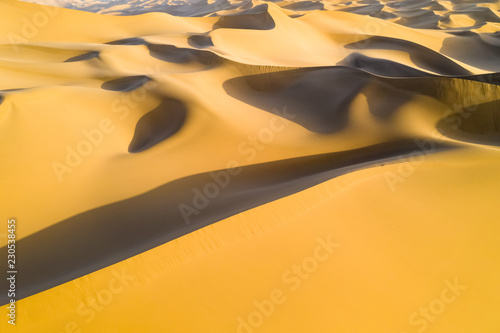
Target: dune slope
x=182, y=162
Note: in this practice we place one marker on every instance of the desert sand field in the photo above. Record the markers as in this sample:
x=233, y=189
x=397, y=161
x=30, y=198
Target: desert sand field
x=250, y=166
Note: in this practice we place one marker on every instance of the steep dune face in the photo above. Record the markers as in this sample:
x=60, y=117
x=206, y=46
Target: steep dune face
x=204, y=149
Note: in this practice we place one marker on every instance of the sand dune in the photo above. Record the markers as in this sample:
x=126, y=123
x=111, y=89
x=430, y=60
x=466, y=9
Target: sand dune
x=205, y=147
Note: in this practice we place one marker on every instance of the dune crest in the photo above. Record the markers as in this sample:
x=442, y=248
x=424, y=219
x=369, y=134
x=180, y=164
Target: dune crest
x=153, y=134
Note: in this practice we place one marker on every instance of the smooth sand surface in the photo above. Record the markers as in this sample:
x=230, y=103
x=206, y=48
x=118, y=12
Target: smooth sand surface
x=168, y=170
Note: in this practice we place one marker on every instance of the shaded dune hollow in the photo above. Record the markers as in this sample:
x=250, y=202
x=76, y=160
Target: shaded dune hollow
x=158, y=124
x=179, y=55
x=128, y=41
x=479, y=50
x=200, y=41
x=477, y=124
x=320, y=98
x=83, y=57
x=421, y=56
x=126, y=84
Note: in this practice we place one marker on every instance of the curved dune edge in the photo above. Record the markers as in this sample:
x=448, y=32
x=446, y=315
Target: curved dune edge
x=203, y=270
x=98, y=124
x=126, y=228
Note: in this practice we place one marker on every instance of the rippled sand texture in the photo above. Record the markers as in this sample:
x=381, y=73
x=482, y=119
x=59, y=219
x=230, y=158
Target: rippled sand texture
x=254, y=167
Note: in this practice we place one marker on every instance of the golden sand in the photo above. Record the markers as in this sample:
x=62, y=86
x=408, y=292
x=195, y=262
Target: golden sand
x=99, y=109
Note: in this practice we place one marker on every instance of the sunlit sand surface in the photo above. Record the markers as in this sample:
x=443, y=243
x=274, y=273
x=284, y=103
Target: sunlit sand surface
x=251, y=166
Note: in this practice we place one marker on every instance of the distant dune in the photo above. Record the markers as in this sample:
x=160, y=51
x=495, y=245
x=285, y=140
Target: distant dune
x=251, y=166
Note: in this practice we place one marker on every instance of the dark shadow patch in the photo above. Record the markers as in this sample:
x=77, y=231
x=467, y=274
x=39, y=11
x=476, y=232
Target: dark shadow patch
x=419, y=55
x=103, y=236
x=2, y=99
x=410, y=5
x=201, y=41
x=13, y=89
x=384, y=100
x=318, y=98
x=381, y=67
x=245, y=5
x=383, y=15
x=471, y=48
x=126, y=84
x=158, y=125
x=460, y=32
x=492, y=39
x=295, y=15
x=419, y=19
x=470, y=3
x=256, y=18
x=83, y=57
x=481, y=15
x=452, y=91
x=371, y=10
x=128, y=41
x=305, y=6
x=490, y=78
x=437, y=7
x=180, y=55
x=477, y=124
